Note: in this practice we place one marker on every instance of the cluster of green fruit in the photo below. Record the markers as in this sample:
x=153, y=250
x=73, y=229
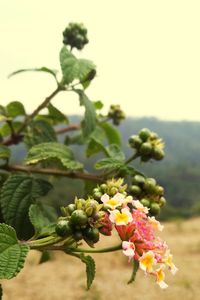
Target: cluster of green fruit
x=116, y=114
x=147, y=145
x=75, y=35
x=81, y=220
x=148, y=192
x=111, y=188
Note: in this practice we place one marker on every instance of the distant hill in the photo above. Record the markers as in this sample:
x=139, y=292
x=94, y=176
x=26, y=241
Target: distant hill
x=179, y=172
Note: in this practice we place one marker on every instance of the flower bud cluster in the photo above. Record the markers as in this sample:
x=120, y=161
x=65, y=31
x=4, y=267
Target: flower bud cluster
x=148, y=192
x=116, y=114
x=111, y=187
x=75, y=35
x=147, y=145
x=81, y=220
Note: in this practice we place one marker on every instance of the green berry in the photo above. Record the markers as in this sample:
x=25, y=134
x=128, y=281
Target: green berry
x=103, y=187
x=91, y=234
x=71, y=207
x=150, y=185
x=158, y=153
x=162, y=201
x=144, y=134
x=113, y=191
x=63, y=228
x=146, y=148
x=159, y=190
x=145, y=158
x=97, y=195
x=78, y=235
x=79, y=217
x=154, y=209
x=135, y=190
x=135, y=141
x=145, y=202
x=138, y=180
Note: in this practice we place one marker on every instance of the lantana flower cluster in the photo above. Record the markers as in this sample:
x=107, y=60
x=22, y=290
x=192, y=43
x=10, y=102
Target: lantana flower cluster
x=137, y=230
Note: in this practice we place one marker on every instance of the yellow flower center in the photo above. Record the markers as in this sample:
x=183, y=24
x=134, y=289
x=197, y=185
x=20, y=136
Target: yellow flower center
x=121, y=217
x=147, y=261
x=112, y=202
x=160, y=275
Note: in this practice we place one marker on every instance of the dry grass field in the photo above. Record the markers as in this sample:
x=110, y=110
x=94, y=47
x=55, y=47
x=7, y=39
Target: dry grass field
x=64, y=277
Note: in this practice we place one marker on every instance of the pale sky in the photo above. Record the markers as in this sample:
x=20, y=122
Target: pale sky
x=147, y=53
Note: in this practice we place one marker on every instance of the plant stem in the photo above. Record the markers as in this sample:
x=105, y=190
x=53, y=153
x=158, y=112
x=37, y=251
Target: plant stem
x=68, y=128
x=56, y=172
x=18, y=137
x=103, y=250
x=134, y=156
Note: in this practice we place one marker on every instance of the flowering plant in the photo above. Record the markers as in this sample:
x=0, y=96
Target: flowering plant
x=116, y=196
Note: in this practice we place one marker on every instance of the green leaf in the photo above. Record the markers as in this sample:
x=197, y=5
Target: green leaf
x=5, y=129
x=89, y=122
x=12, y=253
x=17, y=194
x=53, y=151
x=43, y=217
x=114, y=151
x=73, y=68
x=112, y=134
x=15, y=109
x=4, y=152
x=109, y=164
x=38, y=132
x=56, y=115
x=45, y=256
x=98, y=105
x=96, y=142
x=42, y=69
x=134, y=272
x=90, y=269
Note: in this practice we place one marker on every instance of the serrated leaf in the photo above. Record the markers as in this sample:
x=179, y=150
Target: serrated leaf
x=43, y=218
x=39, y=132
x=112, y=134
x=134, y=272
x=109, y=164
x=5, y=129
x=17, y=194
x=15, y=109
x=89, y=122
x=90, y=269
x=12, y=253
x=114, y=151
x=56, y=115
x=4, y=152
x=96, y=142
x=73, y=68
x=42, y=69
x=53, y=151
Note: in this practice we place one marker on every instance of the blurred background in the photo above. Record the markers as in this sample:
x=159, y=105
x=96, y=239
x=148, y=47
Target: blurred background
x=147, y=57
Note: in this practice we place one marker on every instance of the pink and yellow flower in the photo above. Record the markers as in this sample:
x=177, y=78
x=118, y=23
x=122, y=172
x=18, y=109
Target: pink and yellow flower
x=170, y=264
x=139, y=206
x=128, y=249
x=160, y=277
x=122, y=217
x=155, y=224
x=112, y=202
x=147, y=261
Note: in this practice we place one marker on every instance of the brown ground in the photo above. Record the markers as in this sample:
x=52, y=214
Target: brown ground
x=64, y=277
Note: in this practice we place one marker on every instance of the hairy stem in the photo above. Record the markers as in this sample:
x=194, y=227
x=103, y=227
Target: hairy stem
x=102, y=250
x=56, y=172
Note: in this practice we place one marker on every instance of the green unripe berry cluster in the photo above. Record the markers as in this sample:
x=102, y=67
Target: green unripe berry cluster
x=111, y=188
x=147, y=145
x=81, y=220
x=116, y=114
x=75, y=35
x=148, y=192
